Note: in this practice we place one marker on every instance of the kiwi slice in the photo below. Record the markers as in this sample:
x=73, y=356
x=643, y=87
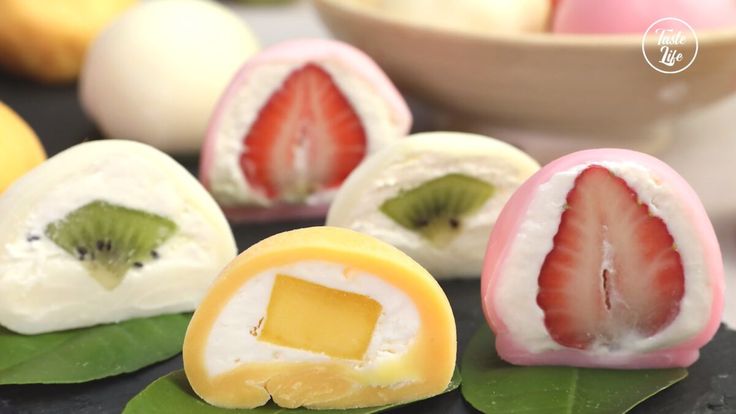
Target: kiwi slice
x=435, y=209
x=110, y=239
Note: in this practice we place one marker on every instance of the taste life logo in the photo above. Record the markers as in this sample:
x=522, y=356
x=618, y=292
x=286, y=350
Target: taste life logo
x=669, y=45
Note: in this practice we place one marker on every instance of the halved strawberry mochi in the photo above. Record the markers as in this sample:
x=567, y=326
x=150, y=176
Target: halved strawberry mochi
x=293, y=124
x=604, y=258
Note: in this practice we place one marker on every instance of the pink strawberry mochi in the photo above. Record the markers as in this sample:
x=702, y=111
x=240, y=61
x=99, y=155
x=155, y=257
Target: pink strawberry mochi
x=294, y=122
x=635, y=16
x=604, y=258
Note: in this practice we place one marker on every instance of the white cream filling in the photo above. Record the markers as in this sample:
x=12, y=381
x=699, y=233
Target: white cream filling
x=463, y=256
x=227, y=181
x=230, y=342
x=42, y=287
x=515, y=295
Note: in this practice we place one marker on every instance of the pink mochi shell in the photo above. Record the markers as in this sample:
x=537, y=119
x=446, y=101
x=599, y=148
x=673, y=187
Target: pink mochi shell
x=635, y=16
x=295, y=51
x=506, y=229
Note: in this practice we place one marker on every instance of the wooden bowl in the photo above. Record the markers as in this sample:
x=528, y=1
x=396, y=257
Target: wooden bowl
x=593, y=90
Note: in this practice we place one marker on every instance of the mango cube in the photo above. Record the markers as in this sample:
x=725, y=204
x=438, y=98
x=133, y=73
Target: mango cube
x=296, y=318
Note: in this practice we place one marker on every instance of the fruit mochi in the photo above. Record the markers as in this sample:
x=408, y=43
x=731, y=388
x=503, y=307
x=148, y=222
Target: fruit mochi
x=604, y=258
x=155, y=73
x=293, y=123
x=20, y=149
x=46, y=40
x=482, y=17
x=635, y=16
x=435, y=196
x=321, y=317
x=103, y=232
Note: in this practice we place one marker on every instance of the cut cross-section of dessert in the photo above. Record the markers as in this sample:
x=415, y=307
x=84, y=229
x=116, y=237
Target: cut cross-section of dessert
x=603, y=258
x=103, y=232
x=321, y=317
x=306, y=138
x=435, y=196
x=293, y=124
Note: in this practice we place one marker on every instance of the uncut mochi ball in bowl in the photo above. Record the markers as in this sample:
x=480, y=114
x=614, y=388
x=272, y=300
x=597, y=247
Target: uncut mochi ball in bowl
x=155, y=73
x=635, y=16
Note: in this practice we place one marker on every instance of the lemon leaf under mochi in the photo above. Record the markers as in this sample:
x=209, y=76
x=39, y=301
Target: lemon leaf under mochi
x=87, y=354
x=492, y=385
x=171, y=394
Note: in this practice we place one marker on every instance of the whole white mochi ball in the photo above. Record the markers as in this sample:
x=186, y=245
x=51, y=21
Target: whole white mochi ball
x=155, y=74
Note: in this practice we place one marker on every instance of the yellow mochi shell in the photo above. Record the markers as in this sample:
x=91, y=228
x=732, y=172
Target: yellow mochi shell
x=424, y=370
x=46, y=40
x=20, y=149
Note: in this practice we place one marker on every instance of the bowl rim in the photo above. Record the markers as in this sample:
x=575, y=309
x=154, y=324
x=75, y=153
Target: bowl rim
x=593, y=41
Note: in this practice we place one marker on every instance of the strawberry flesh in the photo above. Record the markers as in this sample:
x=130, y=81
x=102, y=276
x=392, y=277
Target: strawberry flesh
x=614, y=270
x=306, y=138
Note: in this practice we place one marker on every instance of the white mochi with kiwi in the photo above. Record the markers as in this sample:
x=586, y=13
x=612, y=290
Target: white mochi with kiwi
x=104, y=232
x=436, y=196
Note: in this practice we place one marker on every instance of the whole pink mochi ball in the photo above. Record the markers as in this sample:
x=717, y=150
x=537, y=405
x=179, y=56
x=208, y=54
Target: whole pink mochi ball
x=635, y=16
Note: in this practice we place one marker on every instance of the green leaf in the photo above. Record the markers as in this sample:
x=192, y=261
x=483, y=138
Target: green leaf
x=494, y=386
x=87, y=354
x=171, y=394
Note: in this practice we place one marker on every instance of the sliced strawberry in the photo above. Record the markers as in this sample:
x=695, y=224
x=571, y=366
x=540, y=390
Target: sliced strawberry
x=613, y=271
x=306, y=138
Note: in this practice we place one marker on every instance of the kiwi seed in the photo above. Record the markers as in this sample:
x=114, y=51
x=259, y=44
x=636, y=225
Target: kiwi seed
x=110, y=239
x=435, y=209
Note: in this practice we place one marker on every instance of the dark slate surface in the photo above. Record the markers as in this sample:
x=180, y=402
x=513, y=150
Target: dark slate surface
x=55, y=115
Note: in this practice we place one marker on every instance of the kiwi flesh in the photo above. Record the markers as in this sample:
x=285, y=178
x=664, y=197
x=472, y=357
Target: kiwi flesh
x=435, y=209
x=110, y=239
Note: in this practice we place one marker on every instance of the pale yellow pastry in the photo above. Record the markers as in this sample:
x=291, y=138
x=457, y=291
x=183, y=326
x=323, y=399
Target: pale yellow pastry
x=20, y=149
x=46, y=40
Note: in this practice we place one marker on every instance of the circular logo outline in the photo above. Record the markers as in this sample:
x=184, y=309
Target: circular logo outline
x=644, y=41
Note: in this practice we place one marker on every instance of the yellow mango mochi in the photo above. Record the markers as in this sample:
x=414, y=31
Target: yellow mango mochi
x=20, y=149
x=46, y=40
x=321, y=317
